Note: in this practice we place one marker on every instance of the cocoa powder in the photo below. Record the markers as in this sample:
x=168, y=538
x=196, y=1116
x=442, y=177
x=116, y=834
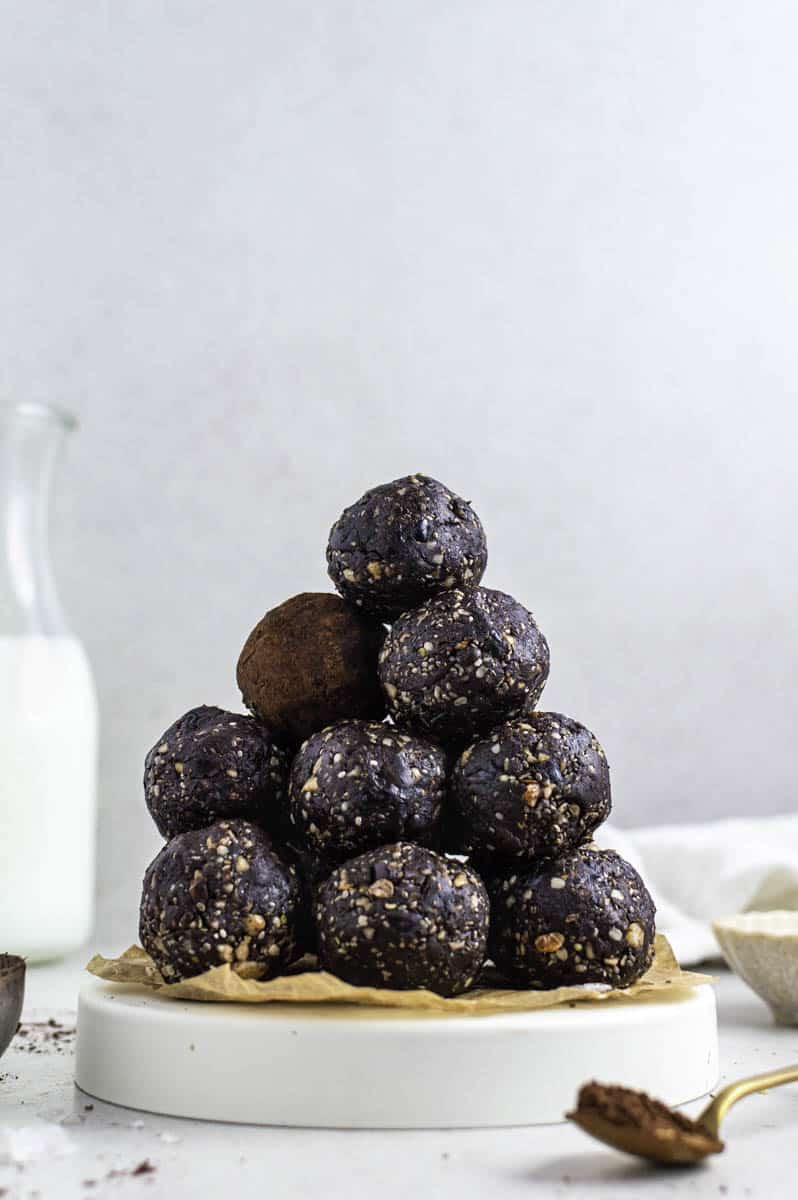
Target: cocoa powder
x=635, y=1110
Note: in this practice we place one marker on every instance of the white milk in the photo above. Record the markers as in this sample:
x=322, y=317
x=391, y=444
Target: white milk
x=48, y=766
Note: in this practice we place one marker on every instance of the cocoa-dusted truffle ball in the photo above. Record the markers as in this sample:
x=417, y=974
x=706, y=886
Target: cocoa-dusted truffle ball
x=535, y=787
x=460, y=664
x=403, y=917
x=583, y=918
x=402, y=543
x=360, y=784
x=309, y=662
x=220, y=895
x=212, y=764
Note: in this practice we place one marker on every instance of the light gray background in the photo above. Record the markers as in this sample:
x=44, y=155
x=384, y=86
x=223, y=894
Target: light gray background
x=274, y=253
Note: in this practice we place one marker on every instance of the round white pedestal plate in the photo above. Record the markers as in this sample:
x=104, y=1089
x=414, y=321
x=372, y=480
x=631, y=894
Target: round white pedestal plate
x=349, y=1067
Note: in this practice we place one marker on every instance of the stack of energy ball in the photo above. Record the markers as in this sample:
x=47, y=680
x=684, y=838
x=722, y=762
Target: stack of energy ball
x=396, y=803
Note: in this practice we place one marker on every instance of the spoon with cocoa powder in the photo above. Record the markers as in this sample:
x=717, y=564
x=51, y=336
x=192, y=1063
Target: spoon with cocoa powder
x=638, y=1124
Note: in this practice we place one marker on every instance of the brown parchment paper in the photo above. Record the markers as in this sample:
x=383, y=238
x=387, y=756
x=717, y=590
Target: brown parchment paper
x=307, y=986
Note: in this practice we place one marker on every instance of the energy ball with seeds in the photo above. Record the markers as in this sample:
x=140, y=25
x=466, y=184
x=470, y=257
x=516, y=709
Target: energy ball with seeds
x=309, y=662
x=212, y=764
x=460, y=664
x=403, y=917
x=402, y=543
x=586, y=917
x=536, y=787
x=360, y=784
x=221, y=895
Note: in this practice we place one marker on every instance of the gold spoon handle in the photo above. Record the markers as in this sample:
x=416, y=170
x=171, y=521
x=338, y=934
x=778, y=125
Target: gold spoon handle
x=726, y=1097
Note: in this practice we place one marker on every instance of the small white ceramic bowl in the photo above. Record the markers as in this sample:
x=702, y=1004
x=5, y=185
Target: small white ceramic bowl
x=762, y=947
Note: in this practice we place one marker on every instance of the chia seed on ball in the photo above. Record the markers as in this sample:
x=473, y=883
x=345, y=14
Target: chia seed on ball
x=309, y=662
x=359, y=784
x=586, y=917
x=220, y=895
x=535, y=787
x=460, y=664
x=212, y=764
x=403, y=917
x=404, y=542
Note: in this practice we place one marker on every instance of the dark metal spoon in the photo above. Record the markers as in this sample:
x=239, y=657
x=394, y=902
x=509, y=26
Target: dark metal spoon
x=12, y=993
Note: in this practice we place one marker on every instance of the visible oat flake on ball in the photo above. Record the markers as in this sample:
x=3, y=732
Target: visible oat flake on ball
x=537, y=787
x=221, y=895
x=212, y=764
x=585, y=917
x=358, y=784
x=403, y=542
x=403, y=917
x=485, y=661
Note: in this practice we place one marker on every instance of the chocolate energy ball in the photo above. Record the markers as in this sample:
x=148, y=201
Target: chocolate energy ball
x=220, y=895
x=460, y=664
x=212, y=764
x=535, y=787
x=360, y=784
x=309, y=662
x=402, y=543
x=583, y=918
x=403, y=917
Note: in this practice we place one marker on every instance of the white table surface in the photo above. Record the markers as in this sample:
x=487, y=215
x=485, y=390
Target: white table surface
x=195, y=1159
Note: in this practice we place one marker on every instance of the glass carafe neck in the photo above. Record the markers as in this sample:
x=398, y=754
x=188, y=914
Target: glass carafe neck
x=31, y=437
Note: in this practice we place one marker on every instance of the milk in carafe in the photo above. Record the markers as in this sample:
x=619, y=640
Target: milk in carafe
x=48, y=754
x=48, y=712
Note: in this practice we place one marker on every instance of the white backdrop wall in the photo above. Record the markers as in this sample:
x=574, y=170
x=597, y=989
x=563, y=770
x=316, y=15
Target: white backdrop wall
x=272, y=254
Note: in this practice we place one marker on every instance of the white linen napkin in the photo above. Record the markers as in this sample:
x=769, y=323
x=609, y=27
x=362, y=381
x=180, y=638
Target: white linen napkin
x=697, y=873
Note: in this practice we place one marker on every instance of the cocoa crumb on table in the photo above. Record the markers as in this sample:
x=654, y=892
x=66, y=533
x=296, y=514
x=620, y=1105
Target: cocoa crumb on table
x=145, y=1167
x=43, y=1037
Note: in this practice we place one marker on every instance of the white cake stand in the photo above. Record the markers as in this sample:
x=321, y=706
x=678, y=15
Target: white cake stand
x=349, y=1067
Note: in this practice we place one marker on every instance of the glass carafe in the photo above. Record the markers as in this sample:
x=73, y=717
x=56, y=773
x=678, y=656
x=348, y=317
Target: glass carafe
x=48, y=712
